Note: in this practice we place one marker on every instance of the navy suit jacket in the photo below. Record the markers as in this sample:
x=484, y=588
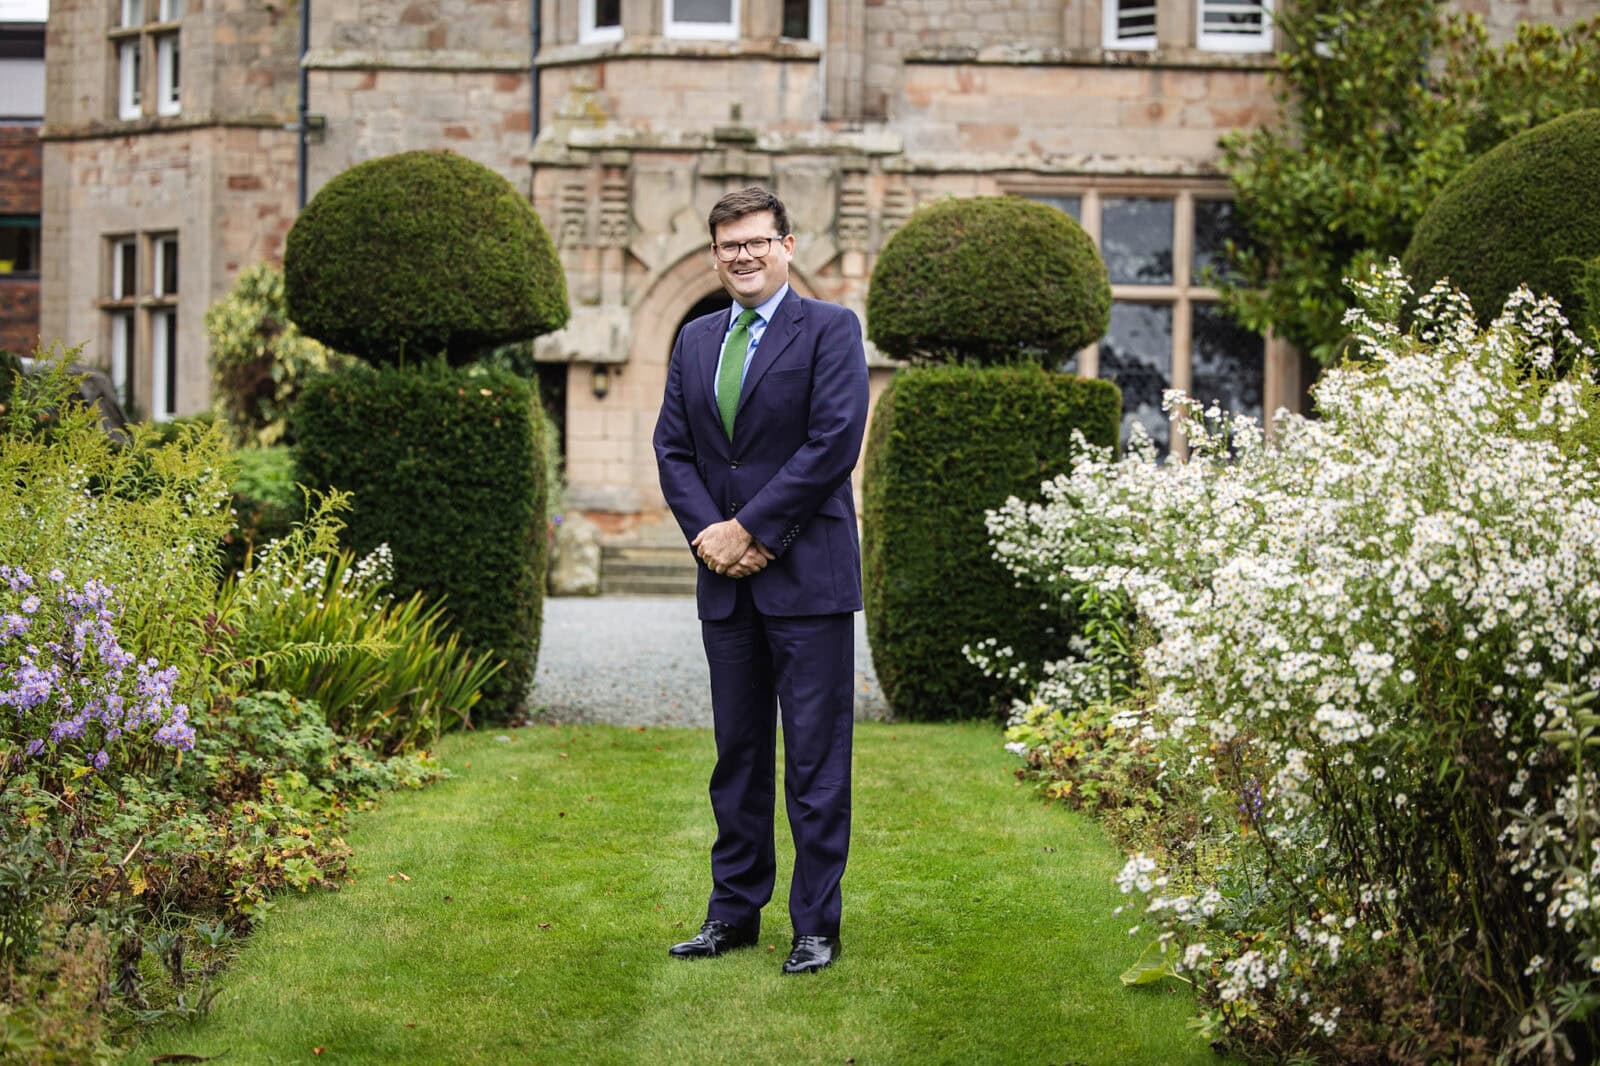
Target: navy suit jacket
x=786, y=473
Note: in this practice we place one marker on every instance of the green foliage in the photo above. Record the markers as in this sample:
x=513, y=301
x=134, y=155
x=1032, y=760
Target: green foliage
x=447, y=469
x=946, y=443
x=10, y=368
x=420, y=254
x=144, y=517
x=1524, y=213
x=260, y=359
x=50, y=1015
x=385, y=672
x=1384, y=101
x=124, y=881
x=1588, y=288
x=266, y=501
x=994, y=279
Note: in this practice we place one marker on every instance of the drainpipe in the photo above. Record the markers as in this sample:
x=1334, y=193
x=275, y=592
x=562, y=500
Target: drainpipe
x=533, y=66
x=300, y=124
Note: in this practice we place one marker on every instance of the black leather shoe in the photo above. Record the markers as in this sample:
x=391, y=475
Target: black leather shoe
x=714, y=938
x=811, y=953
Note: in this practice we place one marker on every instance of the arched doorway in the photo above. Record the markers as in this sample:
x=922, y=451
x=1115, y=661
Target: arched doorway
x=716, y=301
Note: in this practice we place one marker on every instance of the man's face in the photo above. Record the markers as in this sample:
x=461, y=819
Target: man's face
x=750, y=280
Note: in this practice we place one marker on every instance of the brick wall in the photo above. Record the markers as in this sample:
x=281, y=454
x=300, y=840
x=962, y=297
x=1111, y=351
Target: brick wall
x=21, y=156
x=19, y=314
x=21, y=159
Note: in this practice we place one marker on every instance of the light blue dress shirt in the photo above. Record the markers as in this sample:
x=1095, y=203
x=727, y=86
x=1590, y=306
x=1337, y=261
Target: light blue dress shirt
x=758, y=328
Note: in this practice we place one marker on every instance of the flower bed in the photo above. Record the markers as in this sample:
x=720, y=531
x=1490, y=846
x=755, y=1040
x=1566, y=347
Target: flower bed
x=1354, y=667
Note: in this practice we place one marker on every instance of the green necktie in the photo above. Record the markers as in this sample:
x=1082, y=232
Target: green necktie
x=731, y=376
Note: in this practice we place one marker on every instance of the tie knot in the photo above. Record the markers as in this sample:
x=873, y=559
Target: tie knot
x=747, y=316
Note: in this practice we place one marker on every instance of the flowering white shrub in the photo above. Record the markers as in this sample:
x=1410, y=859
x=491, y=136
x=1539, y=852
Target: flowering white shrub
x=1374, y=640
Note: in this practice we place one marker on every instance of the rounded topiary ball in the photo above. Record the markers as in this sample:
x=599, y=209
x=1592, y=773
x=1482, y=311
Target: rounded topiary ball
x=1526, y=211
x=421, y=253
x=992, y=279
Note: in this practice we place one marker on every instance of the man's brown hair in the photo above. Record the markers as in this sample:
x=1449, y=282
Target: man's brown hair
x=749, y=201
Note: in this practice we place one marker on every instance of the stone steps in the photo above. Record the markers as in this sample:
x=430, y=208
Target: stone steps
x=646, y=571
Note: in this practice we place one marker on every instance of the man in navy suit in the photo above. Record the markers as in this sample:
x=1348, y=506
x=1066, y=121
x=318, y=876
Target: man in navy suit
x=765, y=408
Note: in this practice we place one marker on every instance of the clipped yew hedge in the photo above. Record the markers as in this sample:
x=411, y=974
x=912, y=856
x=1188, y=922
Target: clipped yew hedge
x=946, y=443
x=447, y=468
x=419, y=254
x=988, y=279
x=1527, y=211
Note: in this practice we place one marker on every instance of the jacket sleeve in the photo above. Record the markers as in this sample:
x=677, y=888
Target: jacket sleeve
x=681, y=482
x=837, y=422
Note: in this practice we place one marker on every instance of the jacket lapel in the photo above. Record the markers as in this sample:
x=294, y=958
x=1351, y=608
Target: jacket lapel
x=780, y=331
x=706, y=350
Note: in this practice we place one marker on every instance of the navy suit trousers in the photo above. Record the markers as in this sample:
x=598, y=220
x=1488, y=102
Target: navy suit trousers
x=805, y=666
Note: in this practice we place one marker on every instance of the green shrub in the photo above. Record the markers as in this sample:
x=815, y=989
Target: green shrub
x=322, y=625
x=447, y=468
x=995, y=279
x=422, y=253
x=259, y=359
x=266, y=501
x=1523, y=213
x=946, y=443
x=144, y=517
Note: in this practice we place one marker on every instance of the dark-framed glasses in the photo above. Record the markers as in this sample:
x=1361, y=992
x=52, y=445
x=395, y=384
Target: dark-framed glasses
x=758, y=247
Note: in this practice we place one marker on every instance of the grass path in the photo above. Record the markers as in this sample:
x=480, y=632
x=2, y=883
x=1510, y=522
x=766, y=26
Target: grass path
x=544, y=881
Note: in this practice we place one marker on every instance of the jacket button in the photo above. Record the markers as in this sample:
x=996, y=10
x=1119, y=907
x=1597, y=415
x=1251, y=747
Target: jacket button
x=734, y=465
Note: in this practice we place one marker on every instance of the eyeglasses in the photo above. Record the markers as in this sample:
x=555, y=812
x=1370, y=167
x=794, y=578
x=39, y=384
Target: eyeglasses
x=758, y=247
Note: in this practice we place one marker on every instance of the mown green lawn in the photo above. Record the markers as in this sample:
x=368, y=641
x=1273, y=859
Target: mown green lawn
x=520, y=912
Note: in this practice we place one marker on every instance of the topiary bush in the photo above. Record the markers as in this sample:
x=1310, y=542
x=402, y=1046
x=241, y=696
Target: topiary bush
x=422, y=253
x=1526, y=212
x=449, y=471
x=992, y=279
x=946, y=443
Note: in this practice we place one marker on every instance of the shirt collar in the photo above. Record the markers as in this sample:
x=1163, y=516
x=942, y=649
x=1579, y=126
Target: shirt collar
x=765, y=309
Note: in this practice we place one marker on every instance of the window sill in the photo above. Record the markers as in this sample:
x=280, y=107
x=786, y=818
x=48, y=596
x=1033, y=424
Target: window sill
x=677, y=48
x=1158, y=58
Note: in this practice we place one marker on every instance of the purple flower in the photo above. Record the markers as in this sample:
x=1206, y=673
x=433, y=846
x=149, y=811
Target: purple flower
x=100, y=759
x=30, y=605
x=57, y=576
x=35, y=747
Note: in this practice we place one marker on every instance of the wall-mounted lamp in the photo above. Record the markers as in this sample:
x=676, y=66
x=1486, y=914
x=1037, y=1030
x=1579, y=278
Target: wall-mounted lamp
x=601, y=383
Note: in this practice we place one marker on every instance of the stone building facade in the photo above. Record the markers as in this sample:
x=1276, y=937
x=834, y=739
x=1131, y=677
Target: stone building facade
x=624, y=120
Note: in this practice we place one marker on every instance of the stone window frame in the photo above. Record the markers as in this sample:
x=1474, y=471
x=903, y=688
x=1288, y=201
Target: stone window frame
x=730, y=30
x=140, y=309
x=1260, y=41
x=589, y=32
x=1112, y=14
x=1184, y=292
x=161, y=307
x=120, y=306
x=25, y=230
x=817, y=23
x=1172, y=28
x=146, y=53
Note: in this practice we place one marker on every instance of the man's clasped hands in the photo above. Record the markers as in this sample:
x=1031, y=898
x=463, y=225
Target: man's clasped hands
x=727, y=548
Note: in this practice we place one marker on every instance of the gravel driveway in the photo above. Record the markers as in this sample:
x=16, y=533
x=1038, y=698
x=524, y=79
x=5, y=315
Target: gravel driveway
x=638, y=660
